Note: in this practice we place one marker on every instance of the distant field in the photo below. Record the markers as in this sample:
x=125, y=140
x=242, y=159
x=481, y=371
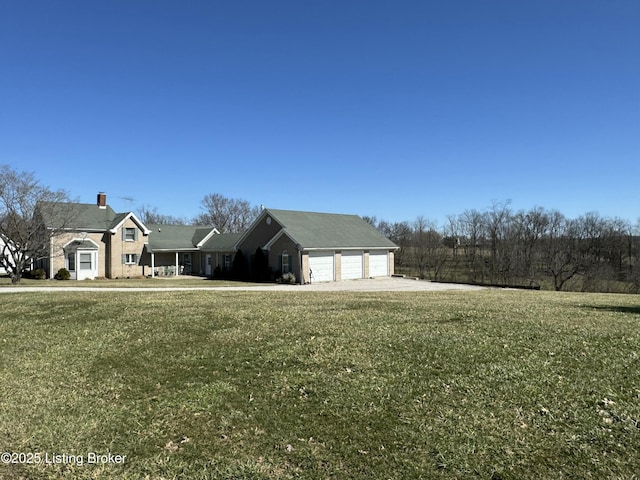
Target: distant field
x=244, y=385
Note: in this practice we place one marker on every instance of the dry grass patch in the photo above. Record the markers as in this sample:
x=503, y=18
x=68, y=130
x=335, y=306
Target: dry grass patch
x=139, y=282
x=265, y=385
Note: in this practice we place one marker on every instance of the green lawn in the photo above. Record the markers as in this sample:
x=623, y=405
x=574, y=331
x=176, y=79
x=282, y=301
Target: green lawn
x=185, y=281
x=268, y=385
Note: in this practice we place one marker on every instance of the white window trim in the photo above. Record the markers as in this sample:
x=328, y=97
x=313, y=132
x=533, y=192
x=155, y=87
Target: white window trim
x=130, y=258
x=126, y=236
x=71, y=261
x=81, y=263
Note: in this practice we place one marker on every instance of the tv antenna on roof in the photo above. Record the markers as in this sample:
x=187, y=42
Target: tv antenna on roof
x=129, y=200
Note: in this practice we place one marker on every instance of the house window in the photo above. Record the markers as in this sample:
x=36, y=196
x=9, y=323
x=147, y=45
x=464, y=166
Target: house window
x=130, y=258
x=71, y=261
x=130, y=234
x=185, y=259
x=286, y=262
x=85, y=261
x=227, y=262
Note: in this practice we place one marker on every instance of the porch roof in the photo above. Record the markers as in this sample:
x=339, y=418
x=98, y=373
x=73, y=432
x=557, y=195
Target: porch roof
x=173, y=238
x=77, y=244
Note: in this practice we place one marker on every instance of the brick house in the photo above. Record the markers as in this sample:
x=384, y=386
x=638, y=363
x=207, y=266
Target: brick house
x=98, y=242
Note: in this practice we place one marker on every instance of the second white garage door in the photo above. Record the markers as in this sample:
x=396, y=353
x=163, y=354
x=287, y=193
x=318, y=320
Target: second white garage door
x=351, y=265
x=379, y=264
x=321, y=266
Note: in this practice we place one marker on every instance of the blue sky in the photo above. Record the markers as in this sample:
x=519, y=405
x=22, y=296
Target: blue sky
x=387, y=108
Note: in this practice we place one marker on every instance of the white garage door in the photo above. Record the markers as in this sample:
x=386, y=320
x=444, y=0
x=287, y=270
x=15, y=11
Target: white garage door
x=351, y=266
x=321, y=266
x=378, y=263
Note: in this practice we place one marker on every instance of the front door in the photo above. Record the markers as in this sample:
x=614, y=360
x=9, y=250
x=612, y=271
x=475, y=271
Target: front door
x=207, y=268
x=82, y=263
x=86, y=265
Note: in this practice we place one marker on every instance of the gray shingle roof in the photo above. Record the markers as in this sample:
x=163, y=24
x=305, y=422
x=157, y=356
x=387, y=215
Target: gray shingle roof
x=85, y=245
x=309, y=229
x=224, y=242
x=187, y=237
x=77, y=216
x=200, y=234
x=119, y=217
x=330, y=230
x=175, y=237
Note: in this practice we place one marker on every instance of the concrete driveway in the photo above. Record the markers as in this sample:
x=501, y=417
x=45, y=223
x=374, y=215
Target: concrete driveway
x=378, y=285
x=368, y=285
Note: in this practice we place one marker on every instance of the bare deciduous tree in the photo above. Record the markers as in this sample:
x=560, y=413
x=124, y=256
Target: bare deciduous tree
x=371, y=220
x=562, y=257
x=634, y=258
x=399, y=233
x=24, y=203
x=528, y=230
x=429, y=252
x=471, y=229
x=228, y=215
x=150, y=215
x=497, y=222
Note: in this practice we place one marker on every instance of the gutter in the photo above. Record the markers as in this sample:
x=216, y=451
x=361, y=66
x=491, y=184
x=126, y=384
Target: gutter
x=319, y=249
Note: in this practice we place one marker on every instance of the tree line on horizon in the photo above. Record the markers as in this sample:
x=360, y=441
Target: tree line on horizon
x=536, y=248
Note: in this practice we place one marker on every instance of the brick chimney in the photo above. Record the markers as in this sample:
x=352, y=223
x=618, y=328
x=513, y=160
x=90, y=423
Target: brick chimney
x=102, y=200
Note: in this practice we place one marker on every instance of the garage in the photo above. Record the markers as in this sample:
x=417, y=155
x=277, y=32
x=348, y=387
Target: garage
x=321, y=265
x=330, y=246
x=352, y=265
x=378, y=263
